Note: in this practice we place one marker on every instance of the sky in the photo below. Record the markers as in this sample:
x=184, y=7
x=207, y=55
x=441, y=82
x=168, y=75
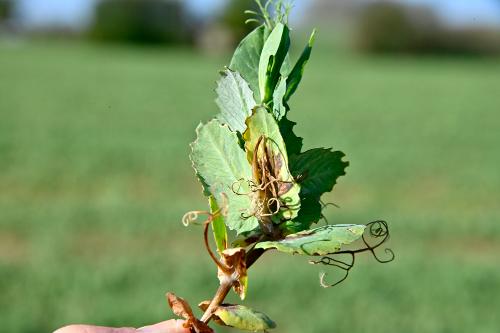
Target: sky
x=78, y=12
x=459, y=12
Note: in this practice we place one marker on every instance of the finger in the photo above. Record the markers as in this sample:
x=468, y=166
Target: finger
x=169, y=326
x=94, y=329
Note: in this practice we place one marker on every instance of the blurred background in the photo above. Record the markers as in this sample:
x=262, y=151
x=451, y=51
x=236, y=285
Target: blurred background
x=99, y=101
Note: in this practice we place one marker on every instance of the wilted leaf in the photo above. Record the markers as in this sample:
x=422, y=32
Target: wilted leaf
x=182, y=309
x=271, y=60
x=220, y=162
x=319, y=168
x=235, y=259
x=262, y=123
x=218, y=226
x=179, y=306
x=298, y=70
x=317, y=242
x=243, y=318
x=235, y=100
x=246, y=58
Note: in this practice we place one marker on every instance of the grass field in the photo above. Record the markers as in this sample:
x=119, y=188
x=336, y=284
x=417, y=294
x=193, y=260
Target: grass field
x=95, y=176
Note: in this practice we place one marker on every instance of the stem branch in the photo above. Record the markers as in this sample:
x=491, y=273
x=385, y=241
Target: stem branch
x=226, y=285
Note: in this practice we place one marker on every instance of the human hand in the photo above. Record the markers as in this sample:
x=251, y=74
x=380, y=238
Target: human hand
x=169, y=326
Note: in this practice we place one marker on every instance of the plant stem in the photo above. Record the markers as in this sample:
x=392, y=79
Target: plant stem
x=226, y=285
x=219, y=297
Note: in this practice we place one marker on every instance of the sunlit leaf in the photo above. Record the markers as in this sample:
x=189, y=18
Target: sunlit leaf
x=218, y=226
x=271, y=60
x=220, y=162
x=279, y=109
x=235, y=100
x=246, y=58
x=244, y=318
x=286, y=68
x=317, y=242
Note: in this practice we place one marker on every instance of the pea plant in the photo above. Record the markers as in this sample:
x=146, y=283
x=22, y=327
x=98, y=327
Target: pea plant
x=264, y=192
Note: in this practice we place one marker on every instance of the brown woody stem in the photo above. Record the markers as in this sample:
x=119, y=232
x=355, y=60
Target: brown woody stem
x=219, y=297
x=226, y=286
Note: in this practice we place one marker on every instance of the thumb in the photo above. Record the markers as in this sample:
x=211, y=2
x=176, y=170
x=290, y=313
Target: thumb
x=169, y=326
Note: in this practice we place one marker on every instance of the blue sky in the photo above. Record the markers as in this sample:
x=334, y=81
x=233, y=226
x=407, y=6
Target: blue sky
x=464, y=11
x=73, y=12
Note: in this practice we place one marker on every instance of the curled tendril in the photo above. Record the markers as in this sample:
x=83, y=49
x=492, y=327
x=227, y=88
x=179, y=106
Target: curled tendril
x=273, y=204
x=377, y=230
x=324, y=206
x=238, y=191
x=281, y=11
x=193, y=216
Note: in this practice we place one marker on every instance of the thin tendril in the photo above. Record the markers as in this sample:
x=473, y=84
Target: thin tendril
x=376, y=230
x=219, y=264
x=192, y=217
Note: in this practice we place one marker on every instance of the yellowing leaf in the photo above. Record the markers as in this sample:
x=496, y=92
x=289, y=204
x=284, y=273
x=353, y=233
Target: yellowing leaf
x=262, y=126
x=243, y=318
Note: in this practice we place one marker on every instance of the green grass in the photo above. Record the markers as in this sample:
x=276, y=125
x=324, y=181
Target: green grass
x=95, y=176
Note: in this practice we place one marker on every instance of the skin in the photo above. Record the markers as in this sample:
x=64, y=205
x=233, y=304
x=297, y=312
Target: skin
x=169, y=326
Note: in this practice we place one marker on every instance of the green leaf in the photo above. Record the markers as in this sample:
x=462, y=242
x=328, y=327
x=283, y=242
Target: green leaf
x=319, y=168
x=286, y=68
x=279, y=109
x=220, y=162
x=309, y=213
x=246, y=58
x=271, y=60
x=317, y=242
x=262, y=123
x=298, y=70
x=218, y=226
x=244, y=318
x=293, y=142
x=235, y=100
